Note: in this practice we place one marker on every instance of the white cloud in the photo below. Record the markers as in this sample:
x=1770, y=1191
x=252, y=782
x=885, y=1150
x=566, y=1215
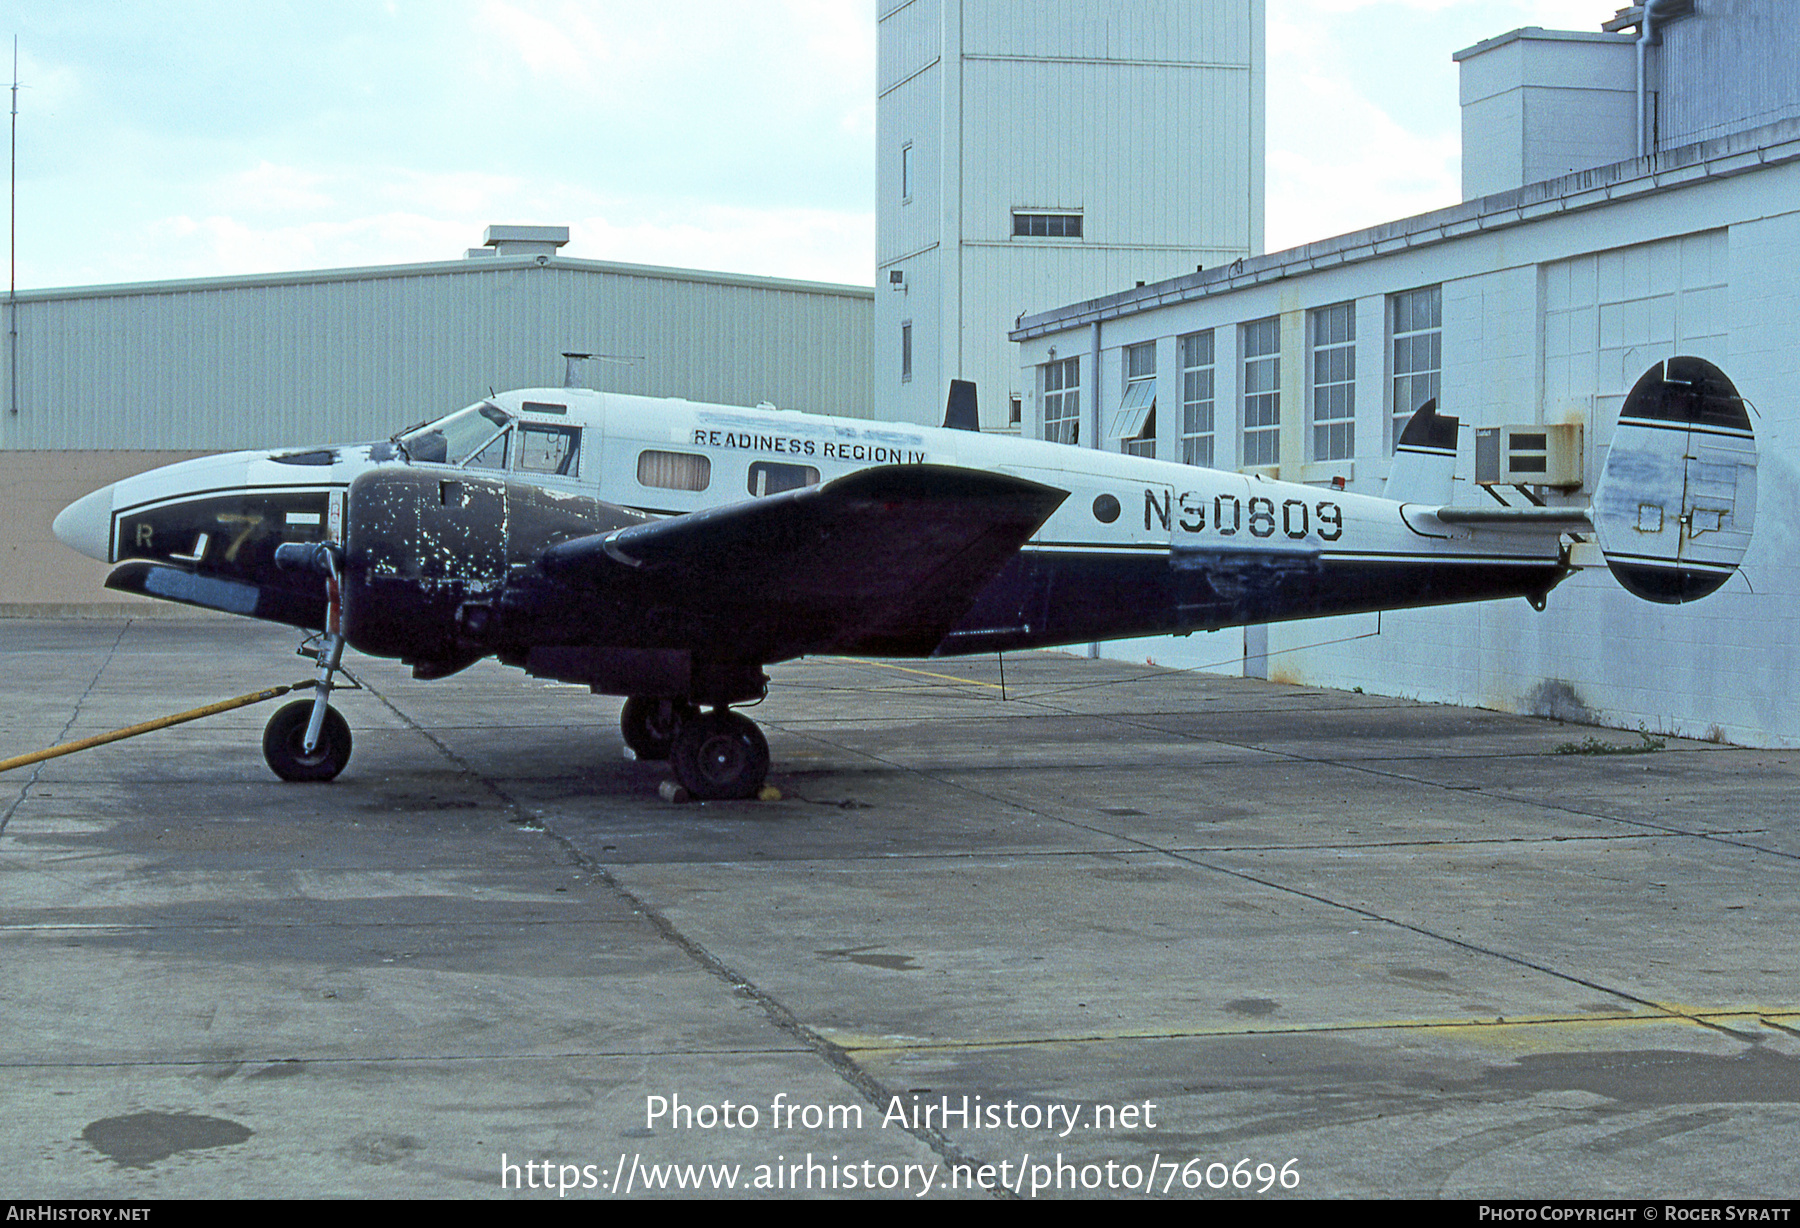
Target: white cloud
x=807, y=244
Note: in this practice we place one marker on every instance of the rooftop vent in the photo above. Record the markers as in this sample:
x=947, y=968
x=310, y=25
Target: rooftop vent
x=541, y=241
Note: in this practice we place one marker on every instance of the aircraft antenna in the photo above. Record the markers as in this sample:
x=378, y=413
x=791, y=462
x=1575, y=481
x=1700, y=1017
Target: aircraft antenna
x=12, y=287
x=572, y=371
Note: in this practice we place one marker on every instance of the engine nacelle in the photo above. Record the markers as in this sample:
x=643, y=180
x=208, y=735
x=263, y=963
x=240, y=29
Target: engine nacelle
x=418, y=545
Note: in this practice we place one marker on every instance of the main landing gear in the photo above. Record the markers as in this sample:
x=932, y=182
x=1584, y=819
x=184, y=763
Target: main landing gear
x=715, y=755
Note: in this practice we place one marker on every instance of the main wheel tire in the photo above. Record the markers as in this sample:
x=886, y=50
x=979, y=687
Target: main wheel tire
x=285, y=736
x=720, y=755
x=650, y=725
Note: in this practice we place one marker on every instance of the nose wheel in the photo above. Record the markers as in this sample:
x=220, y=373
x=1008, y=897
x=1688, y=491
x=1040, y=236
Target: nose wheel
x=719, y=754
x=284, y=743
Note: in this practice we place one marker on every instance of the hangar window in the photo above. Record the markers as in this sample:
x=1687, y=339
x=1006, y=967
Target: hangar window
x=1197, y=398
x=550, y=449
x=1334, y=382
x=674, y=470
x=1062, y=400
x=1262, y=392
x=1416, y=319
x=1038, y=224
x=770, y=478
x=1134, y=426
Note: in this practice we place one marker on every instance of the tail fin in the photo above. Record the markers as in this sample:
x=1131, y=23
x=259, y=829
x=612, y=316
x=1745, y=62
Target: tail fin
x=1425, y=458
x=960, y=411
x=1677, y=500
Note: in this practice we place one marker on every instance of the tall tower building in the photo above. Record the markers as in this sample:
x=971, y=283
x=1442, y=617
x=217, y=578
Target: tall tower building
x=1043, y=153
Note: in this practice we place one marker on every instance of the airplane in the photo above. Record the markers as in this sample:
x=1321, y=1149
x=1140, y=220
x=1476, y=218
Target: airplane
x=667, y=550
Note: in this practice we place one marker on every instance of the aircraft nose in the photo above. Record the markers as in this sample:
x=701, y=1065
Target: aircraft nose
x=86, y=525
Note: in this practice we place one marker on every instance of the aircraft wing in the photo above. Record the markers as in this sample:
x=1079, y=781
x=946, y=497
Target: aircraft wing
x=881, y=560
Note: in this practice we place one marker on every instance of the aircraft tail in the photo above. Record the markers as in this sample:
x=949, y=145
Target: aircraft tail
x=1425, y=458
x=960, y=411
x=1677, y=500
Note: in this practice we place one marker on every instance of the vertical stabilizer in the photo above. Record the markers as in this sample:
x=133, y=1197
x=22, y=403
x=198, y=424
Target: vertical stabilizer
x=1677, y=499
x=960, y=410
x=1425, y=458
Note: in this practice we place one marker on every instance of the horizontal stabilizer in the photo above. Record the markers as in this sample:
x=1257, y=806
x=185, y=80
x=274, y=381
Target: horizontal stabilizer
x=1557, y=519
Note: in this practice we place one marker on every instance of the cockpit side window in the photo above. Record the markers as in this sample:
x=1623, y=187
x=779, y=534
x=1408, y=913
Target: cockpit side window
x=552, y=450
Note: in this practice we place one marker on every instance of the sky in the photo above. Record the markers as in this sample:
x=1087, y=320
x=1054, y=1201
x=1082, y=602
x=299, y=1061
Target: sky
x=207, y=138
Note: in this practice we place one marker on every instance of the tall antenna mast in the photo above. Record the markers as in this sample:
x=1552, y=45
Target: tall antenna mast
x=12, y=256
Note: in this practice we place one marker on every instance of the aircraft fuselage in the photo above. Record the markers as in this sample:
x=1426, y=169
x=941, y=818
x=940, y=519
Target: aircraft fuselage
x=1139, y=546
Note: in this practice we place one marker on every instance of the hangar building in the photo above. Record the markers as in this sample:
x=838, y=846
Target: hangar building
x=1633, y=194
x=1027, y=154
x=113, y=380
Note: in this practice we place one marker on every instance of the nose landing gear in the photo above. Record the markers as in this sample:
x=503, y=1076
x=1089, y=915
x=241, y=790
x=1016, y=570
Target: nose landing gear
x=284, y=743
x=309, y=740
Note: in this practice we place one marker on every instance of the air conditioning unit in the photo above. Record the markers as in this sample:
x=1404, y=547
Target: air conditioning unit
x=1525, y=455
x=897, y=280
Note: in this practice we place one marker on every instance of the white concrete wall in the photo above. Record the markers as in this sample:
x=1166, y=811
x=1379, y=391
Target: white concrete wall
x=1545, y=321
x=1537, y=104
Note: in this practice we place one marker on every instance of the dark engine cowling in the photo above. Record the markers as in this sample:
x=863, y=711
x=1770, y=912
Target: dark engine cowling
x=418, y=546
x=438, y=570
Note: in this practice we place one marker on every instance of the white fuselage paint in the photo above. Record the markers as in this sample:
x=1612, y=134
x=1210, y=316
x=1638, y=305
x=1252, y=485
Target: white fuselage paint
x=1161, y=506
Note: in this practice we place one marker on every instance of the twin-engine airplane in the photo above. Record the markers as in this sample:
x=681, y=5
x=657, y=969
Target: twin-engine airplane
x=667, y=550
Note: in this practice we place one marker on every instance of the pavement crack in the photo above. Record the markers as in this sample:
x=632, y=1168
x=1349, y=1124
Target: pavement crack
x=833, y=1055
x=74, y=715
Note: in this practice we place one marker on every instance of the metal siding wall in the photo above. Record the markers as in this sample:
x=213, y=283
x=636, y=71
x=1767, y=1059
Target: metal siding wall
x=1143, y=115
x=1215, y=30
x=909, y=40
x=1733, y=64
x=267, y=365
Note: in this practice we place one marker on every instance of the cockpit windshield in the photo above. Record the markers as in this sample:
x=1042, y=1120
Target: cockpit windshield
x=453, y=439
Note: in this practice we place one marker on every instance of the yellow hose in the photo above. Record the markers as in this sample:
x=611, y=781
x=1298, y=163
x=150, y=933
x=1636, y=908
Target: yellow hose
x=161, y=722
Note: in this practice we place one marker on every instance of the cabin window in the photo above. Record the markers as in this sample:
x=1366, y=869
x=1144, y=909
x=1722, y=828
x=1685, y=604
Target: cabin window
x=674, y=470
x=554, y=450
x=770, y=478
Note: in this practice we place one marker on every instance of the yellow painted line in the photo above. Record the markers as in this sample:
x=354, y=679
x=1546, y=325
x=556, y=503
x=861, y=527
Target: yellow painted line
x=923, y=673
x=859, y=1043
